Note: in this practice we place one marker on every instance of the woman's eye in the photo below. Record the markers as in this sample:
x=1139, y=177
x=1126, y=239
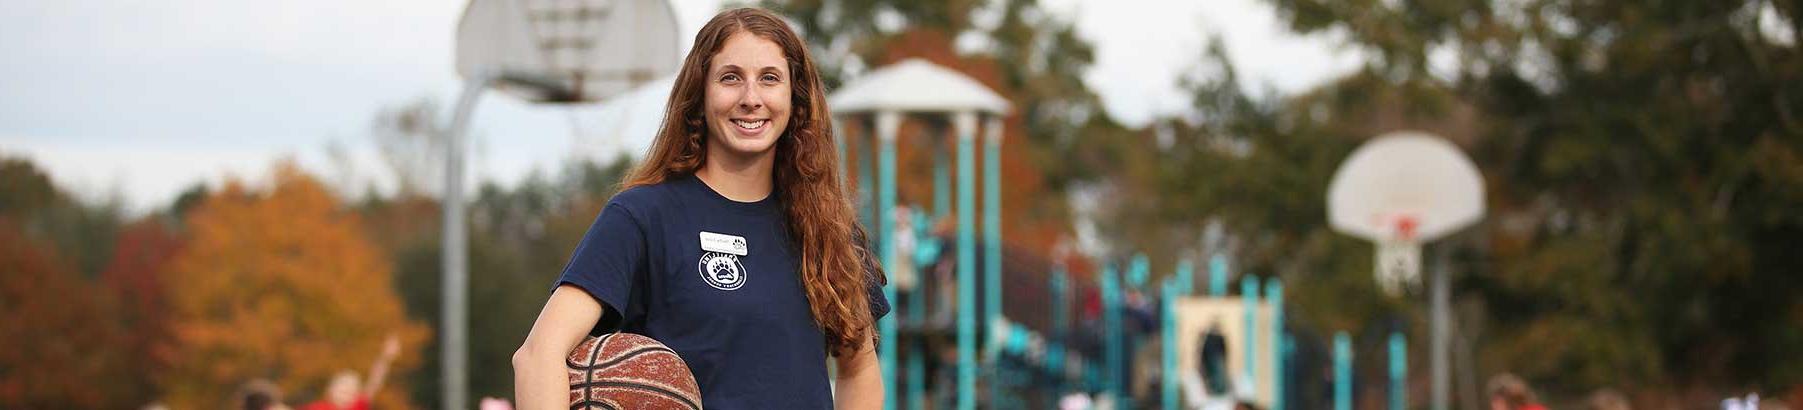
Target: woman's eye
x=730, y=78
x=769, y=78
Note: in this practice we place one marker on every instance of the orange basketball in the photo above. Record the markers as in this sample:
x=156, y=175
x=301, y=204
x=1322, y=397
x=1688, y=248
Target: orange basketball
x=628, y=371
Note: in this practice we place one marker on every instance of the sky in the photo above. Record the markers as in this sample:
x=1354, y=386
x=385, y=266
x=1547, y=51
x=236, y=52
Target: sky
x=137, y=100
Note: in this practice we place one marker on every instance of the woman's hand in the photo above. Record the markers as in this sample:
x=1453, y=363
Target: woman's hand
x=539, y=379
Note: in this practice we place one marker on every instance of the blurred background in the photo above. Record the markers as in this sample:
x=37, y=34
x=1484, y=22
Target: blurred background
x=200, y=198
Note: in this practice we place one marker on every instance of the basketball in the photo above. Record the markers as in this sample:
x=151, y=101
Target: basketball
x=628, y=371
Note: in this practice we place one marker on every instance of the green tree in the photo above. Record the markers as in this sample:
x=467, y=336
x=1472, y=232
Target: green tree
x=520, y=238
x=1642, y=166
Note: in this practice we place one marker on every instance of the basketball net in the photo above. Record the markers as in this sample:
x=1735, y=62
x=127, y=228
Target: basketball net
x=566, y=30
x=1399, y=257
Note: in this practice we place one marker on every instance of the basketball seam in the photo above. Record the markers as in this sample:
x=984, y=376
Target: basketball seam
x=583, y=405
x=646, y=387
x=629, y=355
x=587, y=375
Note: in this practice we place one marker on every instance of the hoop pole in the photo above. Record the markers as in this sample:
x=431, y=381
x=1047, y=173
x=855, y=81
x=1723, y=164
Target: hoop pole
x=455, y=311
x=1441, y=331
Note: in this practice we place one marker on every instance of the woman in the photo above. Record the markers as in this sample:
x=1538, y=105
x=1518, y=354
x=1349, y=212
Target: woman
x=733, y=242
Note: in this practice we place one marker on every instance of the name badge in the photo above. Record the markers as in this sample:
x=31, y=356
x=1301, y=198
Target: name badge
x=722, y=243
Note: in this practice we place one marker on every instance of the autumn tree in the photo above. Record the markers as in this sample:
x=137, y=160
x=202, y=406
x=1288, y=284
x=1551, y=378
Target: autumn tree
x=280, y=283
x=61, y=342
x=133, y=281
x=59, y=327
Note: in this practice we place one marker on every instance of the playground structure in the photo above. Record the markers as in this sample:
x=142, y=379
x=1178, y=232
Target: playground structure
x=1029, y=352
x=936, y=341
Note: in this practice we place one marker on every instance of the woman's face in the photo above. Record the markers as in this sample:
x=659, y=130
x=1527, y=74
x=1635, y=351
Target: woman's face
x=747, y=104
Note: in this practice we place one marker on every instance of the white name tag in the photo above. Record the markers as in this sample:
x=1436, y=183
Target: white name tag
x=722, y=243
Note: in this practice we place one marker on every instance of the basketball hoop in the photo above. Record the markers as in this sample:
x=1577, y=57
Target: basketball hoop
x=567, y=51
x=1398, y=191
x=1399, y=257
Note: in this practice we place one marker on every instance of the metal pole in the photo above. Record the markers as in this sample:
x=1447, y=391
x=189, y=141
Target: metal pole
x=1441, y=330
x=1399, y=370
x=866, y=193
x=886, y=124
x=992, y=242
x=455, y=310
x=917, y=303
x=966, y=124
x=1138, y=272
x=1168, y=329
x=1274, y=298
x=1111, y=337
x=1217, y=275
x=839, y=144
x=1060, y=312
x=1249, y=293
x=942, y=182
x=1185, y=277
x=1342, y=371
x=1286, y=347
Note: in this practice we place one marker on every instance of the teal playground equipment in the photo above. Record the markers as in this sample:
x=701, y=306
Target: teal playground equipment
x=979, y=325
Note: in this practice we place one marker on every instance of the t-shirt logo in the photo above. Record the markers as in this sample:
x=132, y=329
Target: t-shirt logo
x=722, y=270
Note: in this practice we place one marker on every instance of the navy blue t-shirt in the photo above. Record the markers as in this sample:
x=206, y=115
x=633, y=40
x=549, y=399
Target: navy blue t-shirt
x=741, y=322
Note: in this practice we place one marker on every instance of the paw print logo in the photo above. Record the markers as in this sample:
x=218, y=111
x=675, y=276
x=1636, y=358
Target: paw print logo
x=722, y=270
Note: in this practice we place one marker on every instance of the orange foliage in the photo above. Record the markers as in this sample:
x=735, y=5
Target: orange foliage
x=280, y=284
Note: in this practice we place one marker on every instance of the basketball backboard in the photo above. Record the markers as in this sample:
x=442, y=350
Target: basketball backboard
x=1402, y=189
x=567, y=50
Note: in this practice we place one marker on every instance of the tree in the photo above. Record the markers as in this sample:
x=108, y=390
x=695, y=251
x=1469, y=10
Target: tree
x=280, y=284
x=134, y=281
x=519, y=240
x=62, y=343
x=412, y=138
x=1644, y=157
x=83, y=233
x=1642, y=164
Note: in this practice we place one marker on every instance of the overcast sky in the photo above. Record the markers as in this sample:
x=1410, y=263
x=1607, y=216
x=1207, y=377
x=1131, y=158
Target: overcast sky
x=143, y=98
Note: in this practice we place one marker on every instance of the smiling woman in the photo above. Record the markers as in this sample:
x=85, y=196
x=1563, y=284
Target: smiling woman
x=747, y=97
x=734, y=242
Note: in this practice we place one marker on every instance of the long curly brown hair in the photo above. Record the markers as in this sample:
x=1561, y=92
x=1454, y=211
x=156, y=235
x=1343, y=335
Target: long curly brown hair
x=812, y=193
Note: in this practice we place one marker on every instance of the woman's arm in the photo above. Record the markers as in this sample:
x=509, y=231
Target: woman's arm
x=860, y=384
x=539, y=379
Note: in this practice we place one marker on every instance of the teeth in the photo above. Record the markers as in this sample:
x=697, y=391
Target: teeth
x=750, y=125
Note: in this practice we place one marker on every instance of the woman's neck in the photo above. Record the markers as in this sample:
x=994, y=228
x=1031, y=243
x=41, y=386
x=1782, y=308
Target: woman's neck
x=738, y=177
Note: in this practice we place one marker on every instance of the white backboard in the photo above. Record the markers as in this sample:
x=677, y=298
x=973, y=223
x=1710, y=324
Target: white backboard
x=1402, y=182
x=592, y=49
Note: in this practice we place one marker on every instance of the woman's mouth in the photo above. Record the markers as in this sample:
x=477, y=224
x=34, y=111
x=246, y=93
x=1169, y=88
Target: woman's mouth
x=750, y=125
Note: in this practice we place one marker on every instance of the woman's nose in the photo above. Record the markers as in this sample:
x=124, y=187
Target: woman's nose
x=750, y=100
